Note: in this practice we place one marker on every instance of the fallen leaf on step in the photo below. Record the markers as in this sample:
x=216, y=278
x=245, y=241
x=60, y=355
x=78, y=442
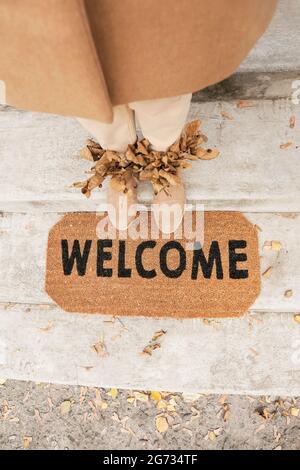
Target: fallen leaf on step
x=140, y=161
x=294, y=411
x=226, y=115
x=86, y=154
x=2, y=381
x=148, y=350
x=297, y=318
x=27, y=440
x=288, y=293
x=155, y=396
x=100, y=348
x=267, y=273
x=190, y=397
x=207, y=154
x=139, y=396
x=161, y=424
x=292, y=122
x=244, y=104
x=286, y=145
x=273, y=245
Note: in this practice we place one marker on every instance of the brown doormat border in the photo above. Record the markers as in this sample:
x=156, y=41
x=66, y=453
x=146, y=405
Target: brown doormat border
x=157, y=278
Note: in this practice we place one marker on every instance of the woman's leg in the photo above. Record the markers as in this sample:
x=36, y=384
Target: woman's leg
x=116, y=136
x=162, y=122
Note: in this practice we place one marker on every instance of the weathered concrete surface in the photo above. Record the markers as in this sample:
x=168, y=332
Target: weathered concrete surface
x=34, y=411
x=278, y=49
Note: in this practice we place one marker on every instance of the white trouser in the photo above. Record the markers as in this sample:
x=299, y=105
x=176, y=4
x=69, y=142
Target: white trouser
x=161, y=122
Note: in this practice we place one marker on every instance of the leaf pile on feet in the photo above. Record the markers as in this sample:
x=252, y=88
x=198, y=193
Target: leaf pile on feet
x=144, y=163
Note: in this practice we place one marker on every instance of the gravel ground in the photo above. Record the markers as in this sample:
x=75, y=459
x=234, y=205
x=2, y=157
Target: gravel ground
x=44, y=416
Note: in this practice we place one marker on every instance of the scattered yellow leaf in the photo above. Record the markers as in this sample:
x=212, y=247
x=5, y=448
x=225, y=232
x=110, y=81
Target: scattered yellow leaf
x=65, y=407
x=161, y=424
x=27, y=440
x=131, y=400
x=211, y=436
x=158, y=334
x=113, y=393
x=2, y=381
x=155, y=396
x=276, y=245
x=288, y=293
x=294, y=411
x=297, y=318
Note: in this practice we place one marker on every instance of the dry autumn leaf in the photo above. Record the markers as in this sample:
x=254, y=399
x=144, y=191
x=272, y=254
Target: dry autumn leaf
x=113, y=393
x=226, y=115
x=86, y=154
x=155, y=396
x=100, y=348
x=158, y=334
x=141, y=396
x=161, y=424
x=244, y=104
x=286, y=145
x=292, y=122
x=288, y=293
x=268, y=272
x=276, y=245
x=297, y=318
x=294, y=411
x=27, y=440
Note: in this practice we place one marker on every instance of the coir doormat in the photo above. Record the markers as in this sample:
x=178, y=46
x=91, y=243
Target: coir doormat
x=159, y=277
